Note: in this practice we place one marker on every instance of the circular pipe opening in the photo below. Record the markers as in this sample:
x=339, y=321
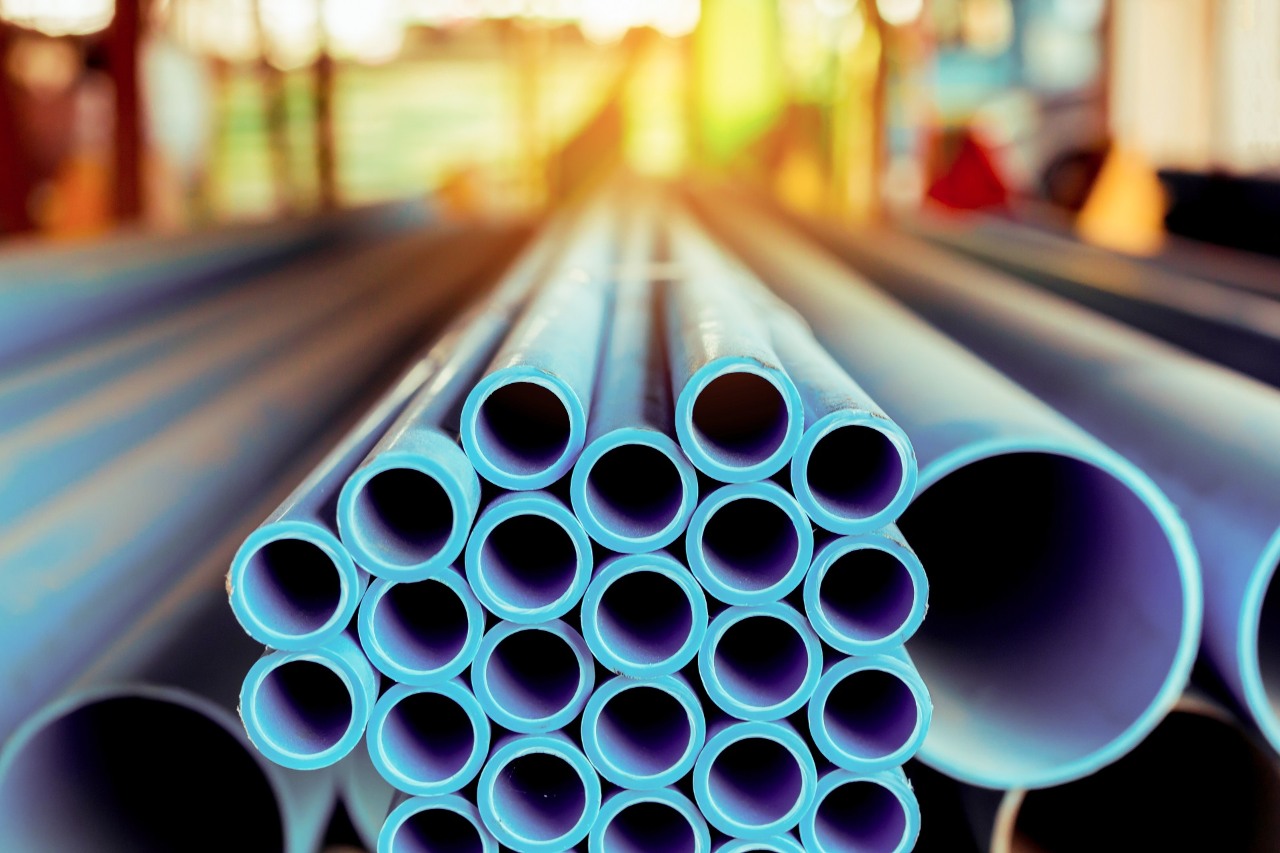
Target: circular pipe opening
x=761, y=664
x=105, y=776
x=437, y=830
x=522, y=428
x=528, y=562
x=302, y=707
x=540, y=797
x=650, y=826
x=644, y=732
x=403, y=515
x=424, y=627
x=292, y=586
x=645, y=618
x=870, y=714
x=854, y=472
x=634, y=491
x=429, y=739
x=866, y=595
x=533, y=676
x=860, y=815
x=1073, y=598
x=739, y=419
x=755, y=782
x=749, y=545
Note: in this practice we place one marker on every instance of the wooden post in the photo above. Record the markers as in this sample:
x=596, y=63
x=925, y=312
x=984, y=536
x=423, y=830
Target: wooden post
x=123, y=38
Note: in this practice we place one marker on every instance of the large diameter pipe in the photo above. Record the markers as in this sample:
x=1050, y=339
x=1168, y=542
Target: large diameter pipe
x=738, y=415
x=644, y=615
x=1077, y=629
x=749, y=543
x=308, y=709
x=116, y=540
x=632, y=486
x=760, y=663
x=443, y=823
x=538, y=793
x=528, y=558
x=643, y=734
x=428, y=741
x=866, y=813
x=421, y=632
x=661, y=821
x=867, y=593
x=870, y=713
x=524, y=423
x=533, y=678
x=1132, y=390
x=754, y=779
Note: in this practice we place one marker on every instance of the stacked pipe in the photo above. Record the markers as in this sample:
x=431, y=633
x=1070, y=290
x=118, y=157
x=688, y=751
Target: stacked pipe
x=618, y=568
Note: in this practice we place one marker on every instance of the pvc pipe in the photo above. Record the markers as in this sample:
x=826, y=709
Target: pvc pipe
x=407, y=509
x=754, y=780
x=760, y=663
x=875, y=813
x=428, y=740
x=749, y=543
x=119, y=539
x=538, y=793
x=1078, y=635
x=643, y=734
x=424, y=824
x=772, y=844
x=533, y=678
x=870, y=713
x=524, y=423
x=661, y=821
x=1131, y=390
x=308, y=709
x=866, y=594
x=644, y=615
x=632, y=486
x=528, y=558
x=422, y=632
x=738, y=415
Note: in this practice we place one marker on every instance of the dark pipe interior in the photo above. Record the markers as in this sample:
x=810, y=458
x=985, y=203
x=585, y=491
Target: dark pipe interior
x=634, y=490
x=739, y=419
x=854, y=471
x=404, y=515
x=645, y=617
x=524, y=428
x=296, y=583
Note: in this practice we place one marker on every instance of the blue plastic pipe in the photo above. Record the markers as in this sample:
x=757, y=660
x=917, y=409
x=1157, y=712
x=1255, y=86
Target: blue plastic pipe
x=644, y=615
x=643, y=734
x=1073, y=631
x=81, y=568
x=308, y=709
x=738, y=415
x=407, y=509
x=648, y=821
x=754, y=780
x=632, y=486
x=528, y=558
x=867, y=593
x=533, y=678
x=538, y=793
x=421, y=632
x=1132, y=390
x=872, y=813
x=428, y=741
x=749, y=543
x=525, y=422
x=760, y=663
x=444, y=823
x=870, y=713
x=772, y=844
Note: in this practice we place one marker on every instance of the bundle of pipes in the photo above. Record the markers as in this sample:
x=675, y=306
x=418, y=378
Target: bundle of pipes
x=499, y=607
x=157, y=438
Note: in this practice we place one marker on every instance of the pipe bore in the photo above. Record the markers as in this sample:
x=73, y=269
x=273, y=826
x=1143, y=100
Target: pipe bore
x=760, y=663
x=643, y=734
x=533, y=678
x=866, y=593
x=421, y=632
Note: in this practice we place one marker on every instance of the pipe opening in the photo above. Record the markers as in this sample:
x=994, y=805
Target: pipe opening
x=1076, y=600
x=421, y=626
x=635, y=490
x=404, y=515
x=870, y=714
x=303, y=707
x=522, y=428
x=540, y=796
x=429, y=738
x=644, y=731
x=435, y=830
x=749, y=544
x=761, y=661
x=292, y=586
x=529, y=561
x=533, y=674
x=739, y=419
x=1196, y=783
x=867, y=594
x=650, y=827
x=854, y=472
x=116, y=774
x=755, y=782
x=645, y=617
x=860, y=815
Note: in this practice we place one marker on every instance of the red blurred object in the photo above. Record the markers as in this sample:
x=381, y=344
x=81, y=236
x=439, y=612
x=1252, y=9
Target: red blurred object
x=964, y=174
